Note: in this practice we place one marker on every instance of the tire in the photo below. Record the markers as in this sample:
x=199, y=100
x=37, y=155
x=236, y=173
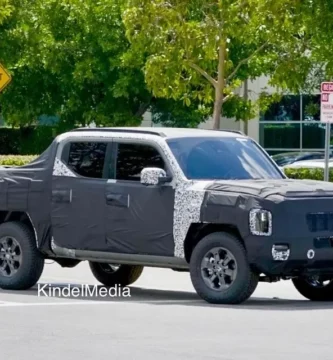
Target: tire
x=27, y=263
x=254, y=284
x=124, y=275
x=244, y=281
x=312, y=289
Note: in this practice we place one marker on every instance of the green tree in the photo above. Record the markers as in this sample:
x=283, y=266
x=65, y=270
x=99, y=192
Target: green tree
x=174, y=113
x=318, y=28
x=66, y=60
x=204, y=49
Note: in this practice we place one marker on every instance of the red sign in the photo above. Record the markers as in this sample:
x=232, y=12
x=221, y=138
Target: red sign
x=327, y=87
x=326, y=102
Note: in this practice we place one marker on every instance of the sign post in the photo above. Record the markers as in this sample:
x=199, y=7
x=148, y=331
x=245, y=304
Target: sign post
x=326, y=116
x=5, y=78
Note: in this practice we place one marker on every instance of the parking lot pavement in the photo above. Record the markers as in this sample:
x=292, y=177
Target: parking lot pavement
x=162, y=319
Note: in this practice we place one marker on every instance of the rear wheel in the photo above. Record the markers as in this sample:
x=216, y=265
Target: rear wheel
x=112, y=274
x=21, y=263
x=315, y=288
x=220, y=272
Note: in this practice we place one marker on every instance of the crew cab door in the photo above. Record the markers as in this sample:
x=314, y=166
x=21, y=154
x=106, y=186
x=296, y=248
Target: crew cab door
x=138, y=218
x=78, y=193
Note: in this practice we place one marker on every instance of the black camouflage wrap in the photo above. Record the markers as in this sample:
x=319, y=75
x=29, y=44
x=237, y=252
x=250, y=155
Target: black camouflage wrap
x=28, y=189
x=302, y=218
x=133, y=218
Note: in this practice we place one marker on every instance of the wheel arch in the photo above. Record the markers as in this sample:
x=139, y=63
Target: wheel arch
x=21, y=216
x=24, y=218
x=198, y=231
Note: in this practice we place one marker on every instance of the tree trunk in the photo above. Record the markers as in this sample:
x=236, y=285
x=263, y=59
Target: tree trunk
x=219, y=88
x=217, y=109
x=142, y=109
x=245, y=97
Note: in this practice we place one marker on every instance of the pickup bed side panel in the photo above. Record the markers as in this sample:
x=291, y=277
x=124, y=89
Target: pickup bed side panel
x=28, y=189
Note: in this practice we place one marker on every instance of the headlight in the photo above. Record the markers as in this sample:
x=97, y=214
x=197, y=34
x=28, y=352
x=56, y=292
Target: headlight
x=260, y=222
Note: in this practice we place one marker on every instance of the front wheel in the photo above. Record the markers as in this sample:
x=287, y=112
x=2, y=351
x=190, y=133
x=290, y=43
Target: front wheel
x=219, y=270
x=111, y=274
x=315, y=288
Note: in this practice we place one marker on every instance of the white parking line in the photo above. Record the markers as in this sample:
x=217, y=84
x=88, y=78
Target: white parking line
x=8, y=303
x=83, y=302
x=12, y=304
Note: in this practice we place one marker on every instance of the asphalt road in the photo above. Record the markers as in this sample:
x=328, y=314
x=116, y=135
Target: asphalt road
x=162, y=318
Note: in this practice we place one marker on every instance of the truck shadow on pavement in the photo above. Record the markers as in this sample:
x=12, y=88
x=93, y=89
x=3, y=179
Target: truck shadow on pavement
x=139, y=295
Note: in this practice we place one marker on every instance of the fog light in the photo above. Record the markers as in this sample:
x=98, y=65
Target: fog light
x=260, y=222
x=280, y=252
x=310, y=254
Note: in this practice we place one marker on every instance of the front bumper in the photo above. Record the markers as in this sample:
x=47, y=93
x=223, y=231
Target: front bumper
x=291, y=256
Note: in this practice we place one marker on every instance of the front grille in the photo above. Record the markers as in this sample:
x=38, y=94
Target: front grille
x=320, y=221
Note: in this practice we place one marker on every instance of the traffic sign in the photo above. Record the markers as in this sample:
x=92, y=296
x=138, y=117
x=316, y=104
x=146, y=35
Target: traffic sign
x=5, y=78
x=326, y=116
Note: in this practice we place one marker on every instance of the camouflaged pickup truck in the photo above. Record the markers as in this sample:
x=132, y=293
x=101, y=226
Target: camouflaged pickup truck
x=212, y=203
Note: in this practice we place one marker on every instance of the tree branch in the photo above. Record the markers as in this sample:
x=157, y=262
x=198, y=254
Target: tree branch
x=226, y=98
x=203, y=73
x=244, y=61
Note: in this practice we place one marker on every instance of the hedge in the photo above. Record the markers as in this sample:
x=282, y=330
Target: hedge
x=16, y=160
x=309, y=174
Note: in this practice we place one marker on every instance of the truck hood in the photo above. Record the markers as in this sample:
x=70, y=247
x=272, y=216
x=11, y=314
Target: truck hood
x=288, y=188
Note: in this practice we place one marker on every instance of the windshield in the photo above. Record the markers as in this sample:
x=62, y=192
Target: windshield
x=225, y=158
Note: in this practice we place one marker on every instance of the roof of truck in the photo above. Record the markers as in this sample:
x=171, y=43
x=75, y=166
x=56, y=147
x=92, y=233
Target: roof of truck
x=165, y=132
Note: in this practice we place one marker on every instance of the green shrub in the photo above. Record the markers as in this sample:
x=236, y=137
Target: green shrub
x=16, y=160
x=310, y=174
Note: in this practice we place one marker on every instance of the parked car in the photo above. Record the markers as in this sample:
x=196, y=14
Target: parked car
x=309, y=164
x=292, y=157
x=212, y=203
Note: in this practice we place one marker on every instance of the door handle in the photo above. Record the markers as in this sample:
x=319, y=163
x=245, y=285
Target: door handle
x=113, y=197
x=62, y=196
x=119, y=200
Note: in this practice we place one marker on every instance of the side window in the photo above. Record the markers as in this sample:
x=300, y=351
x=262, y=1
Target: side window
x=86, y=158
x=132, y=158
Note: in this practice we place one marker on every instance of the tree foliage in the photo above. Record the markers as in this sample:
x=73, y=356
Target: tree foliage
x=204, y=49
x=175, y=113
x=318, y=28
x=83, y=60
x=66, y=60
x=5, y=10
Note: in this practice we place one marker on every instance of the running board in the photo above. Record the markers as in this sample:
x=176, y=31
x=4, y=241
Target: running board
x=125, y=259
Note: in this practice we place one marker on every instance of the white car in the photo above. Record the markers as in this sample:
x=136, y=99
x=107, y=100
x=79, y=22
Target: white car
x=309, y=164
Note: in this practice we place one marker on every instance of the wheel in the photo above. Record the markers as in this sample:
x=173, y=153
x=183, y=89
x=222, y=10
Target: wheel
x=112, y=274
x=21, y=263
x=315, y=288
x=219, y=270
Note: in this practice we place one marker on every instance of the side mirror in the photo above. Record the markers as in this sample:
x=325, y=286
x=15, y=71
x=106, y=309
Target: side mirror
x=154, y=176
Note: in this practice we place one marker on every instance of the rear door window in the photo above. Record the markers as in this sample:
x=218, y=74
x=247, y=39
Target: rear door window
x=86, y=159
